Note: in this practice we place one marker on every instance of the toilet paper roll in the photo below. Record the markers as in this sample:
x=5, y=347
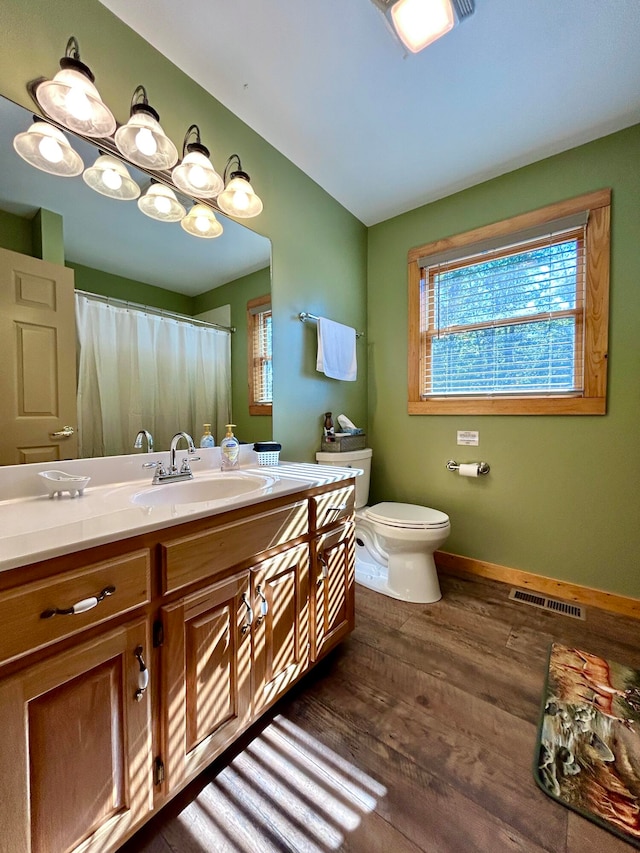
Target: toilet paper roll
x=468, y=470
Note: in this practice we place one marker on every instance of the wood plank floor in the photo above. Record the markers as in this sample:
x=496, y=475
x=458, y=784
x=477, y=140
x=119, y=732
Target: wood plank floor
x=417, y=734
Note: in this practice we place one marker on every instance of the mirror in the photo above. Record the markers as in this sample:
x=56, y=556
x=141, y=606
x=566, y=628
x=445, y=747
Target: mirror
x=116, y=238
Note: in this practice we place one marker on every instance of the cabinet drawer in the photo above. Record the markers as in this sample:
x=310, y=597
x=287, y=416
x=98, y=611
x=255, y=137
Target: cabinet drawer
x=202, y=555
x=23, y=627
x=333, y=506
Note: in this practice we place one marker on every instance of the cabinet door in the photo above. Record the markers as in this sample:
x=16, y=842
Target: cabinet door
x=206, y=674
x=76, y=747
x=280, y=599
x=332, y=589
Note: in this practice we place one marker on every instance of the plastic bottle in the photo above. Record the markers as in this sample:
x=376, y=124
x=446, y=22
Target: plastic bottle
x=329, y=430
x=207, y=439
x=230, y=447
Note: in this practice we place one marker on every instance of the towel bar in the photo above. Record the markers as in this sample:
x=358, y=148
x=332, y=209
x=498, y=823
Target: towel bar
x=303, y=316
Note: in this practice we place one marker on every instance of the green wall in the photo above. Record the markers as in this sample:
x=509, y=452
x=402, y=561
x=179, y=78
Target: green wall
x=319, y=249
x=16, y=233
x=118, y=287
x=562, y=498
x=236, y=294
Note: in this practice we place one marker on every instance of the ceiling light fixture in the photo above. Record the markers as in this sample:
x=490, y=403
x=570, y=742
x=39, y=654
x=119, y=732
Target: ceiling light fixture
x=201, y=222
x=109, y=176
x=238, y=198
x=195, y=175
x=418, y=23
x=72, y=99
x=142, y=140
x=48, y=149
x=160, y=202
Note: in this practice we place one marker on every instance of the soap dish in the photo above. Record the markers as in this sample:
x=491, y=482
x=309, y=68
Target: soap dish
x=57, y=482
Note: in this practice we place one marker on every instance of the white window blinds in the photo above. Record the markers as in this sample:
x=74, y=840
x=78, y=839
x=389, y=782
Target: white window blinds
x=506, y=317
x=262, y=355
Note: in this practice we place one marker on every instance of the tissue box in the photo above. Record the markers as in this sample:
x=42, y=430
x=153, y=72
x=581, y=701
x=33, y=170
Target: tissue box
x=344, y=442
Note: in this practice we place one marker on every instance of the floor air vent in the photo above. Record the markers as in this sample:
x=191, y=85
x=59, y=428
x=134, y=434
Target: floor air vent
x=554, y=604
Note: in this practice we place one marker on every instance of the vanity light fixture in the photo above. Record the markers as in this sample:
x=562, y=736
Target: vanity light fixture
x=141, y=140
x=109, y=176
x=418, y=23
x=160, y=202
x=238, y=198
x=71, y=98
x=195, y=175
x=201, y=222
x=48, y=149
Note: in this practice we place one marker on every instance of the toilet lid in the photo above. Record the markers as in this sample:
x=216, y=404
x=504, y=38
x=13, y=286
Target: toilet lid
x=409, y=516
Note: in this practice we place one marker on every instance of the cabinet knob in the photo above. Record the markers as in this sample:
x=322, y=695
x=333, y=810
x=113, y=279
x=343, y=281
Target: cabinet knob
x=264, y=607
x=79, y=606
x=324, y=566
x=143, y=674
x=249, y=621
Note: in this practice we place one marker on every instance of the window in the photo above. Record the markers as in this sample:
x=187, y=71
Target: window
x=259, y=355
x=512, y=318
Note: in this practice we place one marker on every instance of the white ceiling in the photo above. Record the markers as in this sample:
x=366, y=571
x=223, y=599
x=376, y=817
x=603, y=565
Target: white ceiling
x=329, y=86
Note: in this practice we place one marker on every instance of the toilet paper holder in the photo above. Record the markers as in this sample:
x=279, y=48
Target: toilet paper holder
x=483, y=467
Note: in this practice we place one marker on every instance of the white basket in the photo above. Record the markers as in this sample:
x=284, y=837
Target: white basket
x=271, y=457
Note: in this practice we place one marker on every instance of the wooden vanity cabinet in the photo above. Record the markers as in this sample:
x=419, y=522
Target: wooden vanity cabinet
x=229, y=651
x=75, y=749
x=206, y=675
x=280, y=639
x=223, y=614
x=332, y=604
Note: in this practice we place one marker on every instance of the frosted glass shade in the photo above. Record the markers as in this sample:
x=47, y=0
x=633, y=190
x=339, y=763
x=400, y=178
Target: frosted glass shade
x=160, y=202
x=201, y=222
x=142, y=141
x=238, y=199
x=109, y=176
x=47, y=148
x=72, y=100
x=196, y=176
x=420, y=22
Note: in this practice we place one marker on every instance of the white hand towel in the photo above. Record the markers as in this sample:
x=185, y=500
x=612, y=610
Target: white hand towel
x=336, y=350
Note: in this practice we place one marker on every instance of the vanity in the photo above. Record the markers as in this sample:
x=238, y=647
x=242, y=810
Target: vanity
x=143, y=632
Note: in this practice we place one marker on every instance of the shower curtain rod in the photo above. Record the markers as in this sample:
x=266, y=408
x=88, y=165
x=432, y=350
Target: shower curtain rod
x=158, y=312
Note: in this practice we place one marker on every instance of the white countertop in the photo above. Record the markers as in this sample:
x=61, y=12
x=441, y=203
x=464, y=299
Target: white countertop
x=34, y=527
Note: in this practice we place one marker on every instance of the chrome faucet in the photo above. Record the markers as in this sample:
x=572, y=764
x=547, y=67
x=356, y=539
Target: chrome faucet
x=172, y=453
x=172, y=474
x=144, y=434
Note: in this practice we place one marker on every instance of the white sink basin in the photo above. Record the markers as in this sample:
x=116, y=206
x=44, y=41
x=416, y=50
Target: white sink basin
x=202, y=490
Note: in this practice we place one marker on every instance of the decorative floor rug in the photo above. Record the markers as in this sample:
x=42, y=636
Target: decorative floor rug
x=588, y=755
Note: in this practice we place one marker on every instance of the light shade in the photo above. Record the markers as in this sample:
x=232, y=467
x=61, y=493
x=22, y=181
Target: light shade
x=195, y=175
x=47, y=148
x=109, y=176
x=160, y=202
x=420, y=22
x=201, y=222
x=72, y=99
x=142, y=140
x=238, y=198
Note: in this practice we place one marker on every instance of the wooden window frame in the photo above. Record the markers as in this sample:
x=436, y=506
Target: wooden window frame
x=593, y=399
x=252, y=318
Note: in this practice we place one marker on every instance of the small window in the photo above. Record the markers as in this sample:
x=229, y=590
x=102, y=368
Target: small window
x=260, y=356
x=512, y=318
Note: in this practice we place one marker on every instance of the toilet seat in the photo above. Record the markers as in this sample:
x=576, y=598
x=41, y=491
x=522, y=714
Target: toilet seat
x=406, y=516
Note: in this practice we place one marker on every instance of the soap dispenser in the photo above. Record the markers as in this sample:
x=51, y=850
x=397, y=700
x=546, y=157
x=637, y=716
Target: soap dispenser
x=207, y=439
x=230, y=447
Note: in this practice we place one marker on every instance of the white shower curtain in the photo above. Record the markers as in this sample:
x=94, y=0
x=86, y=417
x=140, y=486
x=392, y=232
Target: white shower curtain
x=144, y=371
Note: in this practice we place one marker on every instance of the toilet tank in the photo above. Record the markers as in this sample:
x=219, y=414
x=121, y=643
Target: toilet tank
x=352, y=459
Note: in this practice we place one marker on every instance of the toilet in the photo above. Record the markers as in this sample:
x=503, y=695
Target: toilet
x=394, y=541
